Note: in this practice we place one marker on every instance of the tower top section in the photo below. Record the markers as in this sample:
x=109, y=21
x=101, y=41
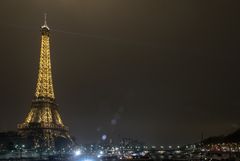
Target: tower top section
x=44, y=87
x=45, y=29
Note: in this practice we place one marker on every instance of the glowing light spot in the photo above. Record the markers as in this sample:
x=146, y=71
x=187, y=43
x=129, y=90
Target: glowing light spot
x=87, y=159
x=77, y=152
x=104, y=137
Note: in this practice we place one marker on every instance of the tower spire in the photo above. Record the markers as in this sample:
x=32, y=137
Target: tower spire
x=45, y=19
x=45, y=22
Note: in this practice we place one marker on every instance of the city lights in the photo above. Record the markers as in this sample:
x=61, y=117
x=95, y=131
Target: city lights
x=77, y=152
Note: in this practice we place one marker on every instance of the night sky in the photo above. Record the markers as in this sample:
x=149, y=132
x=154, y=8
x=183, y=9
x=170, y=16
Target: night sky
x=161, y=71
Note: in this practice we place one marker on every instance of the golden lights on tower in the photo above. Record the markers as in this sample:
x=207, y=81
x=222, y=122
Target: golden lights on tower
x=43, y=109
x=44, y=115
x=44, y=82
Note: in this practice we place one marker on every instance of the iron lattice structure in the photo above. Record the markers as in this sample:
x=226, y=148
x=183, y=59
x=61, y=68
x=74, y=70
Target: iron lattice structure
x=43, y=123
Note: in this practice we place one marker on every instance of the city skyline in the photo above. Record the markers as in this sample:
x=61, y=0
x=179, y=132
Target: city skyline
x=156, y=76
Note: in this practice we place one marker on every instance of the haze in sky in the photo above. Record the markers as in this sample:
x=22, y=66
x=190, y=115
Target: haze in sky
x=161, y=71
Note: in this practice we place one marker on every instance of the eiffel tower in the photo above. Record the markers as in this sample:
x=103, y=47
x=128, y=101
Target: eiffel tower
x=43, y=123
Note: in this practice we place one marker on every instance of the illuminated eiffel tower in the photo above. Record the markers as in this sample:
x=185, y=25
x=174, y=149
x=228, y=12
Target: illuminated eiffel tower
x=43, y=123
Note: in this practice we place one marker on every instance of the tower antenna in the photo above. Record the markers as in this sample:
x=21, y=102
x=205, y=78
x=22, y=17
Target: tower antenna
x=45, y=19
